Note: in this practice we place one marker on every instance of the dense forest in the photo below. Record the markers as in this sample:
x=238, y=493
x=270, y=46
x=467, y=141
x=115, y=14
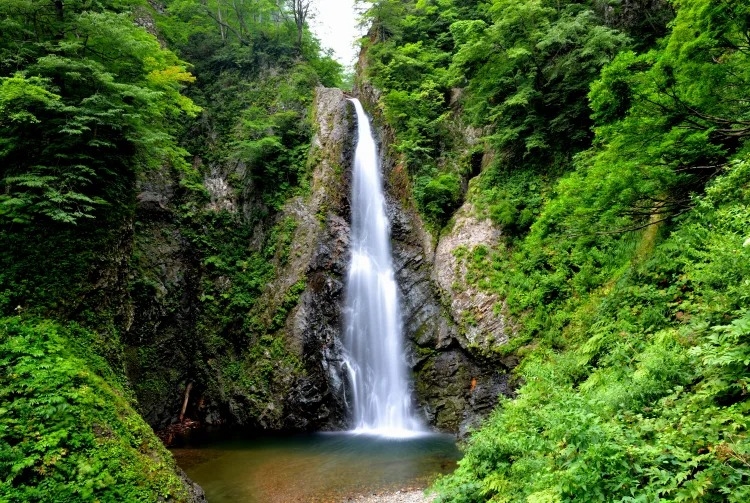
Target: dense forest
x=97, y=99
x=605, y=139
x=614, y=159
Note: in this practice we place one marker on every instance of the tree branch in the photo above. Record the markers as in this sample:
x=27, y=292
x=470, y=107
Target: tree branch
x=221, y=23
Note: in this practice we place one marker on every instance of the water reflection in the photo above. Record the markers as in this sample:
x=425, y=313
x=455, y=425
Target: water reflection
x=324, y=467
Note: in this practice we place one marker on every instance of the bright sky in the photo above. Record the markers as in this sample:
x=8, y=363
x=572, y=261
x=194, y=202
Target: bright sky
x=335, y=24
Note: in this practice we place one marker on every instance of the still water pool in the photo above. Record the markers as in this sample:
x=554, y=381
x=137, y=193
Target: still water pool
x=324, y=467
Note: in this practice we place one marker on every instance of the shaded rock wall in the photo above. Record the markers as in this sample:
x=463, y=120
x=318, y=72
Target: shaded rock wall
x=164, y=280
x=238, y=377
x=449, y=324
x=319, y=257
x=169, y=345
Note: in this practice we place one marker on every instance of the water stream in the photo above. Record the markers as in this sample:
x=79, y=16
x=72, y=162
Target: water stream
x=389, y=447
x=373, y=333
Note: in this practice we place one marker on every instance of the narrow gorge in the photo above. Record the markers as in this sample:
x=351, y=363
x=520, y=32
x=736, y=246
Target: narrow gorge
x=554, y=277
x=455, y=385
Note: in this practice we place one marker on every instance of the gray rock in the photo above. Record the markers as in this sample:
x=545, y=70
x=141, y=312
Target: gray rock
x=195, y=492
x=317, y=399
x=478, y=313
x=455, y=381
x=455, y=384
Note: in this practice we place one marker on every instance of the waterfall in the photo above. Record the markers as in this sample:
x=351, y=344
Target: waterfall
x=373, y=331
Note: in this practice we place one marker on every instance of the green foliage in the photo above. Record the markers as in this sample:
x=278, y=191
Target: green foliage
x=222, y=240
x=249, y=36
x=438, y=197
x=68, y=431
x=96, y=117
x=650, y=156
x=256, y=86
x=90, y=98
x=628, y=275
x=273, y=134
x=532, y=91
x=648, y=400
x=518, y=71
x=241, y=359
x=669, y=118
x=290, y=300
x=511, y=199
x=52, y=270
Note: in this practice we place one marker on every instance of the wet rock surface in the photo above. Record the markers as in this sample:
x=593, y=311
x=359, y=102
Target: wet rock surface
x=455, y=384
x=195, y=492
x=320, y=254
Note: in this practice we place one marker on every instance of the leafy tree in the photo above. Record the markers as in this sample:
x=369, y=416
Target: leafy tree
x=300, y=11
x=238, y=21
x=95, y=96
x=384, y=17
x=532, y=88
x=668, y=119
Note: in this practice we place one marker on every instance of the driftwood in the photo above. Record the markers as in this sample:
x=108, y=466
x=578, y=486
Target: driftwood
x=185, y=401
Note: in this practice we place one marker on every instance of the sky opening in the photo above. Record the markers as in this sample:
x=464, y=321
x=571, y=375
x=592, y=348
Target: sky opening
x=335, y=23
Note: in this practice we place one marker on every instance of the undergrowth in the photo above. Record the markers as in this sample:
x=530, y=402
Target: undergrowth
x=68, y=430
x=637, y=388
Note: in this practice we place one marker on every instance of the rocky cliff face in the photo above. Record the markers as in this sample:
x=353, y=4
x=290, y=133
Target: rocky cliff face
x=455, y=385
x=281, y=370
x=481, y=315
x=449, y=323
x=165, y=278
x=275, y=365
x=318, y=257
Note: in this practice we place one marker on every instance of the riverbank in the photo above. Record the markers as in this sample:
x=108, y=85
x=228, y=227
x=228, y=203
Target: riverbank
x=414, y=496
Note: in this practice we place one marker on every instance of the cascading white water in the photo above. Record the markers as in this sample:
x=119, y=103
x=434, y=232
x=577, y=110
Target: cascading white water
x=373, y=331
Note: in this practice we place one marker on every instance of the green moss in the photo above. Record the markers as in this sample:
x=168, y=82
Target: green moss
x=469, y=319
x=424, y=352
x=260, y=380
x=290, y=300
x=68, y=431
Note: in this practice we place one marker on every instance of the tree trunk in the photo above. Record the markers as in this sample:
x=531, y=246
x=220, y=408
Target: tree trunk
x=185, y=401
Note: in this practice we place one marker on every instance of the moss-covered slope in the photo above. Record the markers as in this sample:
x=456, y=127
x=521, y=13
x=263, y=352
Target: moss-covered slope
x=68, y=428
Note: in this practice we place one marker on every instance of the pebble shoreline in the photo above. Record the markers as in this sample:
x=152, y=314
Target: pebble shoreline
x=392, y=497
